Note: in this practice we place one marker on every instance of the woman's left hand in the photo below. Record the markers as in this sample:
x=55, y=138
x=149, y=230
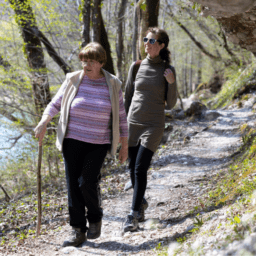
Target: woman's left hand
x=123, y=153
x=168, y=74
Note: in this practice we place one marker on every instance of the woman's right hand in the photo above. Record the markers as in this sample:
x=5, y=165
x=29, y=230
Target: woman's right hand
x=41, y=128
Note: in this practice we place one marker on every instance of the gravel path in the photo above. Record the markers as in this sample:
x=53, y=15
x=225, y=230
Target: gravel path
x=179, y=175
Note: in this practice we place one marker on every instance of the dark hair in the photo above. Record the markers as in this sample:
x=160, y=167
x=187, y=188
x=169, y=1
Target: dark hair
x=162, y=37
x=93, y=51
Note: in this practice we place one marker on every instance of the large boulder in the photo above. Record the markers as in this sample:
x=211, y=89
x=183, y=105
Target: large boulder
x=226, y=8
x=196, y=109
x=237, y=17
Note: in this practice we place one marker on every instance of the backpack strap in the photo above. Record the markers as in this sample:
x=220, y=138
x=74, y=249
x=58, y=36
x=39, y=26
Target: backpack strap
x=136, y=69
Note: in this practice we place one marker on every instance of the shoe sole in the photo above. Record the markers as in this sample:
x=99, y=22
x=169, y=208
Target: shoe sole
x=73, y=244
x=130, y=229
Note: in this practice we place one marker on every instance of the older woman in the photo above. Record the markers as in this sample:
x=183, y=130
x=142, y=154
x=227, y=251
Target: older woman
x=145, y=103
x=91, y=122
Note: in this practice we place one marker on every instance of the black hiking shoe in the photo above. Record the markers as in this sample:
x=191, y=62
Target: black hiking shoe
x=94, y=230
x=131, y=224
x=143, y=207
x=76, y=238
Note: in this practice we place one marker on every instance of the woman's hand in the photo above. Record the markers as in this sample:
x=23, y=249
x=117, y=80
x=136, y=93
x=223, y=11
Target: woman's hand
x=168, y=74
x=123, y=153
x=41, y=128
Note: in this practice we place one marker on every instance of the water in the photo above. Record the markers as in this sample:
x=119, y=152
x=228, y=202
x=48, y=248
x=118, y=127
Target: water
x=25, y=145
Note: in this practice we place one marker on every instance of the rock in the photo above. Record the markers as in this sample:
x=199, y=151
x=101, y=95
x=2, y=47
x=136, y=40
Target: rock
x=185, y=102
x=128, y=185
x=247, y=88
x=196, y=108
x=249, y=243
x=178, y=186
x=152, y=223
x=167, y=130
x=160, y=203
x=172, y=248
x=248, y=104
x=193, y=97
x=157, y=175
x=211, y=115
x=226, y=8
x=215, y=83
x=69, y=249
x=223, y=120
x=180, y=115
x=173, y=208
x=236, y=18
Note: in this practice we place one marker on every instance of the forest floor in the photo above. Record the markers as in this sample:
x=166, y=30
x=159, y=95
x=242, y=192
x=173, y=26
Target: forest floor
x=180, y=174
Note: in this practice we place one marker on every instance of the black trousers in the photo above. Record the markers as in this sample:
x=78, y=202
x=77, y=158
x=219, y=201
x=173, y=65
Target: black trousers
x=83, y=162
x=139, y=161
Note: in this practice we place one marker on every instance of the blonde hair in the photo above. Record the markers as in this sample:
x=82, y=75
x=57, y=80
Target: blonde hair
x=93, y=51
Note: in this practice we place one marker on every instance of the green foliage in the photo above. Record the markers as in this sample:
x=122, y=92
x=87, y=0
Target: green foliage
x=181, y=239
x=240, y=178
x=161, y=250
x=237, y=78
x=143, y=6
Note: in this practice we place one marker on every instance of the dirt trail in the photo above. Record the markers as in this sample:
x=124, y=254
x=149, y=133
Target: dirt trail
x=179, y=175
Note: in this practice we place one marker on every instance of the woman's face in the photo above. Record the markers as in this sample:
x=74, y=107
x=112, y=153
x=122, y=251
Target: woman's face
x=92, y=68
x=153, y=50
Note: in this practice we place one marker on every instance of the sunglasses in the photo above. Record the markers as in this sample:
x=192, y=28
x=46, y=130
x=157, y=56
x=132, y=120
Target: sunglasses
x=151, y=40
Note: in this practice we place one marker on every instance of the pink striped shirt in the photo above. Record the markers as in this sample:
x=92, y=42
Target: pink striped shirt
x=90, y=112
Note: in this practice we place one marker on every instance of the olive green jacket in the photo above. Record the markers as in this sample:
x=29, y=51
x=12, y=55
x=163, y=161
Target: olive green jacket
x=73, y=81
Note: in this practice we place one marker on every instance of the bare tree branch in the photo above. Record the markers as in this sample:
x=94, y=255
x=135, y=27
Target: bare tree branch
x=198, y=44
x=51, y=51
x=230, y=52
x=119, y=38
x=212, y=36
x=7, y=197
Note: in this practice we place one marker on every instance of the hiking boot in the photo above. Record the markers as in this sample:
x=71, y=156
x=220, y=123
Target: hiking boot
x=76, y=238
x=94, y=230
x=143, y=207
x=131, y=223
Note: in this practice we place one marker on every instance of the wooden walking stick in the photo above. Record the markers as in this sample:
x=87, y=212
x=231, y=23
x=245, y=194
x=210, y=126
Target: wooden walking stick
x=39, y=206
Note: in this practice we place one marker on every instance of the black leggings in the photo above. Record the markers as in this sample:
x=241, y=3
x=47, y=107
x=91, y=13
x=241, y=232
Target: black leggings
x=139, y=161
x=83, y=162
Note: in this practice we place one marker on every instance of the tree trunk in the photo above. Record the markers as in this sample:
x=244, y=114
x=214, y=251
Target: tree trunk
x=96, y=26
x=100, y=35
x=119, y=39
x=135, y=32
x=34, y=53
x=152, y=12
x=199, y=71
x=148, y=18
x=86, y=22
x=185, y=74
x=191, y=69
x=163, y=21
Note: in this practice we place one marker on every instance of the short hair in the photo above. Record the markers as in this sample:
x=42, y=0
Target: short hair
x=94, y=51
